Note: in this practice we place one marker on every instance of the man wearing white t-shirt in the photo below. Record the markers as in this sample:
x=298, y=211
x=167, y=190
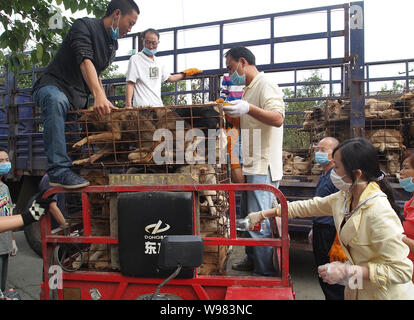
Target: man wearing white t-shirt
x=146, y=74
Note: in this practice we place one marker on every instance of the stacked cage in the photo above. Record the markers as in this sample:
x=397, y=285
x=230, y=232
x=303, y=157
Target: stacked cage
x=384, y=128
x=405, y=104
x=388, y=125
x=146, y=146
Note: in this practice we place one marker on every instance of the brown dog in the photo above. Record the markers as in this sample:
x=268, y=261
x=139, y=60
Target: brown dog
x=287, y=163
x=164, y=118
x=337, y=110
x=203, y=174
x=129, y=126
x=117, y=132
x=386, y=139
x=98, y=255
x=381, y=109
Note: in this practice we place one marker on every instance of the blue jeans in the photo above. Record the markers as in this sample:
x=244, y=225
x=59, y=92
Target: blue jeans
x=254, y=201
x=54, y=106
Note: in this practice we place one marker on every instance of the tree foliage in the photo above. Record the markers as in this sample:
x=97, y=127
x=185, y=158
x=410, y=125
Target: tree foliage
x=29, y=35
x=117, y=89
x=293, y=137
x=397, y=87
x=196, y=97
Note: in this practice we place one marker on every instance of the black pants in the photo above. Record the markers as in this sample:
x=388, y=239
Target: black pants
x=323, y=238
x=4, y=264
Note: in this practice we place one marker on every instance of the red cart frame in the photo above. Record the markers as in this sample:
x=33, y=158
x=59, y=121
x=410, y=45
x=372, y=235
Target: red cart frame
x=115, y=286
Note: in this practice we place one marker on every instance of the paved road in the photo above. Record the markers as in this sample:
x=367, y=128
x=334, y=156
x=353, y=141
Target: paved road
x=305, y=276
x=25, y=272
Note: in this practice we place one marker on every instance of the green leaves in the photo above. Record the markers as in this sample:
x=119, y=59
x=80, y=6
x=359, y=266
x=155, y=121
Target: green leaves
x=26, y=5
x=26, y=25
x=39, y=52
x=82, y=4
x=294, y=139
x=46, y=58
x=72, y=5
x=14, y=62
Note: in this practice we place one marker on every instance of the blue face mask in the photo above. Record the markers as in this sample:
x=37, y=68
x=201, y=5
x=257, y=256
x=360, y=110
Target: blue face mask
x=237, y=79
x=5, y=168
x=407, y=184
x=149, y=52
x=115, y=33
x=322, y=158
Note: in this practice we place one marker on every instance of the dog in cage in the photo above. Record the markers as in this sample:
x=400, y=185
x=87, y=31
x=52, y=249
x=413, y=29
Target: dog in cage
x=407, y=101
x=313, y=118
x=393, y=162
x=202, y=117
x=98, y=255
x=386, y=139
x=287, y=162
x=115, y=133
x=337, y=110
x=381, y=109
x=164, y=118
x=122, y=130
x=203, y=174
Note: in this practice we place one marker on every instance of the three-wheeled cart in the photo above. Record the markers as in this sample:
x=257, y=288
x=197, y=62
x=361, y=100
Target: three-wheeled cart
x=137, y=275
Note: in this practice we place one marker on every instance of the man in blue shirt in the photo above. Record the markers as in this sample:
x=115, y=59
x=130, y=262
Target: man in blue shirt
x=323, y=230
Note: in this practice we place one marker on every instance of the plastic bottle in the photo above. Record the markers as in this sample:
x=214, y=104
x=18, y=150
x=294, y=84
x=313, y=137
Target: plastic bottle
x=243, y=225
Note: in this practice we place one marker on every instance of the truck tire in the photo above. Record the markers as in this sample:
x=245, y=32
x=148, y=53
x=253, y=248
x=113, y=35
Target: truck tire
x=32, y=234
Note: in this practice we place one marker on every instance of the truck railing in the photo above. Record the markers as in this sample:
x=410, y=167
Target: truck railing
x=404, y=74
x=269, y=43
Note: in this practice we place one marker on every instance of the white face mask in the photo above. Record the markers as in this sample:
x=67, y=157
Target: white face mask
x=339, y=183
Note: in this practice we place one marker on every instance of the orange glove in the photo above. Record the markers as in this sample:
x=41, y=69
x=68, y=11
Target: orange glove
x=234, y=121
x=336, y=253
x=222, y=101
x=192, y=71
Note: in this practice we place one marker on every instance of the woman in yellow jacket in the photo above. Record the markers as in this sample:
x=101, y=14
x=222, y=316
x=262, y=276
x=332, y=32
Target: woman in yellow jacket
x=368, y=223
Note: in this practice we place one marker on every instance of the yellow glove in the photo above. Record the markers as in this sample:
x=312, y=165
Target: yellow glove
x=222, y=101
x=192, y=71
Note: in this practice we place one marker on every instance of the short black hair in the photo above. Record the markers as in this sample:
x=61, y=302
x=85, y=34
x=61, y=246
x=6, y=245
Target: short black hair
x=150, y=30
x=126, y=7
x=4, y=149
x=241, y=52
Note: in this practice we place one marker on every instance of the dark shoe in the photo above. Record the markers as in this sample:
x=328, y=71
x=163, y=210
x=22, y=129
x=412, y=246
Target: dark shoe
x=69, y=180
x=245, y=265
